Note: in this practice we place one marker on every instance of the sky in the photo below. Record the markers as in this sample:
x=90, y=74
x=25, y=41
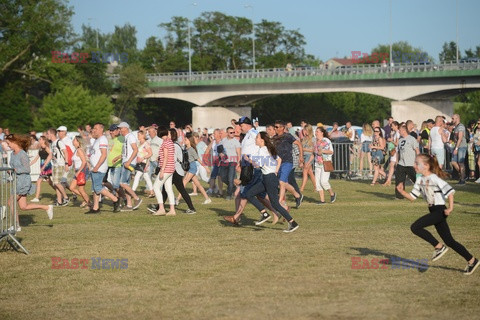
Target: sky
x=331, y=29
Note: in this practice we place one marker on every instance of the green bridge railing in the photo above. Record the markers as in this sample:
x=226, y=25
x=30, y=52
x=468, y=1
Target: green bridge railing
x=307, y=74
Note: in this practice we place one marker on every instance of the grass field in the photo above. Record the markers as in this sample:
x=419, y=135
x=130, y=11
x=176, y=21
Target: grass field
x=200, y=267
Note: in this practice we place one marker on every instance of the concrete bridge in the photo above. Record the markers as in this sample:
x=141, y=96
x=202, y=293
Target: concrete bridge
x=418, y=91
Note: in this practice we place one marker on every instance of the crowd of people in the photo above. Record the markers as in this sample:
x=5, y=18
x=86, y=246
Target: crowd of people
x=256, y=167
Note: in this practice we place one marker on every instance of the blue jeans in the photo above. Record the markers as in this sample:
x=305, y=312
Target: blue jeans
x=230, y=167
x=153, y=166
x=269, y=184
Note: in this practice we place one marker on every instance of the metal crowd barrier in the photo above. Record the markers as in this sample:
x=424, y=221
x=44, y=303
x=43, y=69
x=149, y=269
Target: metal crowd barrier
x=8, y=208
x=346, y=160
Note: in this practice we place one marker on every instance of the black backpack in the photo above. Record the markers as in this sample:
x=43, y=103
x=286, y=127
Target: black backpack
x=184, y=162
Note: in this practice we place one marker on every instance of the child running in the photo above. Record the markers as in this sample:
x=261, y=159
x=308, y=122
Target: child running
x=434, y=190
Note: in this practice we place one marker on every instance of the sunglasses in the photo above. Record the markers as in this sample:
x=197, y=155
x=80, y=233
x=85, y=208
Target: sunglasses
x=278, y=127
x=8, y=136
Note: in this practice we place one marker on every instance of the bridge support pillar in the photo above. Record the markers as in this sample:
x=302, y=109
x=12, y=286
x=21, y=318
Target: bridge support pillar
x=217, y=117
x=419, y=111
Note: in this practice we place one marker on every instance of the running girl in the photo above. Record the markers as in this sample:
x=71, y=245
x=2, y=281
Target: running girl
x=434, y=191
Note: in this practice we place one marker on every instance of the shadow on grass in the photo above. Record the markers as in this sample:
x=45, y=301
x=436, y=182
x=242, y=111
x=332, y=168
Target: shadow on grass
x=245, y=222
x=378, y=194
x=398, y=262
x=26, y=219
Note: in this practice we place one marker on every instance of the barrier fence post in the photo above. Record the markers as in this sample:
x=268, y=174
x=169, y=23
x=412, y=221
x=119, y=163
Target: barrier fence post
x=8, y=208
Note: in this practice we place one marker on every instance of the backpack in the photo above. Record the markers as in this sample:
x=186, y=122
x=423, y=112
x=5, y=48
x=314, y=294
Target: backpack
x=184, y=162
x=68, y=160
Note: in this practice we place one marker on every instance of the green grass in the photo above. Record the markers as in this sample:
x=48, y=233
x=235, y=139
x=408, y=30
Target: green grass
x=200, y=267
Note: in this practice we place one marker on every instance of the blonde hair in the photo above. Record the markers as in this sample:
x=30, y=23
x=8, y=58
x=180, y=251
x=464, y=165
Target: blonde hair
x=367, y=129
x=309, y=130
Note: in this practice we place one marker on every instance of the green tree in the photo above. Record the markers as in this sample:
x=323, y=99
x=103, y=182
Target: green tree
x=14, y=108
x=133, y=86
x=468, y=106
x=449, y=52
x=73, y=106
x=152, y=55
x=470, y=53
x=402, y=52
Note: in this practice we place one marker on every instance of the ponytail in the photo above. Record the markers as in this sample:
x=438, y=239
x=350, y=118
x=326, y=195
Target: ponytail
x=434, y=166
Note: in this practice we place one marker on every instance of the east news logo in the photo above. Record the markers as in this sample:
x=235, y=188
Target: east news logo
x=96, y=263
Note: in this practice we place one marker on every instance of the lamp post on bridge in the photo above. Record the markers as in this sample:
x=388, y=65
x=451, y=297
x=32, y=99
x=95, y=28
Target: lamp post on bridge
x=190, y=47
x=247, y=6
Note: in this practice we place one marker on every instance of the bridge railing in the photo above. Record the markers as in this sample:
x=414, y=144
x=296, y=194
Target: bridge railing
x=352, y=71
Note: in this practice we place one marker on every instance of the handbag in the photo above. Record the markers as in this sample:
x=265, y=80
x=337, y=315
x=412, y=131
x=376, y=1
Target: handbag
x=140, y=166
x=328, y=166
x=246, y=174
x=81, y=179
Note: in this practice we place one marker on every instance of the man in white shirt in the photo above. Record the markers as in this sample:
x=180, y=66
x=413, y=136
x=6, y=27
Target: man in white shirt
x=58, y=166
x=155, y=143
x=230, y=159
x=129, y=160
x=248, y=149
x=437, y=139
x=69, y=171
x=99, y=165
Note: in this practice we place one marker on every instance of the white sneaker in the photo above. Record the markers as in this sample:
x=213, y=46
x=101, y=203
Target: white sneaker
x=207, y=201
x=35, y=200
x=193, y=194
x=50, y=212
x=19, y=229
x=477, y=181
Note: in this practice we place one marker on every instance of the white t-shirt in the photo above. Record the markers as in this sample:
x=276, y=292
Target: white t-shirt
x=433, y=189
x=96, y=153
x=249, y=146
x=265, y=161
x=365, y=138
x=436, y=138
x=59, y=152
x=128, y=150
x=68, y=142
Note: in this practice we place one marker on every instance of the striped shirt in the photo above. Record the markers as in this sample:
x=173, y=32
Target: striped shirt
x=433, y=189
x=170, y=167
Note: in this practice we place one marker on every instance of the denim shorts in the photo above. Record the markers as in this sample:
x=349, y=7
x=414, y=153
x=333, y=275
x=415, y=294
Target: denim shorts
x=193, y=167
x=97, y=181
x=284, y=171
x=460, y=156
x=115, y=176
x=125, y=175
x=366, y=146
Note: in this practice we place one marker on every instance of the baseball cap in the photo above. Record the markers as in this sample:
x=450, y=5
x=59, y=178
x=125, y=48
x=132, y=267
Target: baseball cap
x=430, y=121
x=245, y=120
x=113, y=127
x=319, y=124
x=62, y=128
x=123, y=125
